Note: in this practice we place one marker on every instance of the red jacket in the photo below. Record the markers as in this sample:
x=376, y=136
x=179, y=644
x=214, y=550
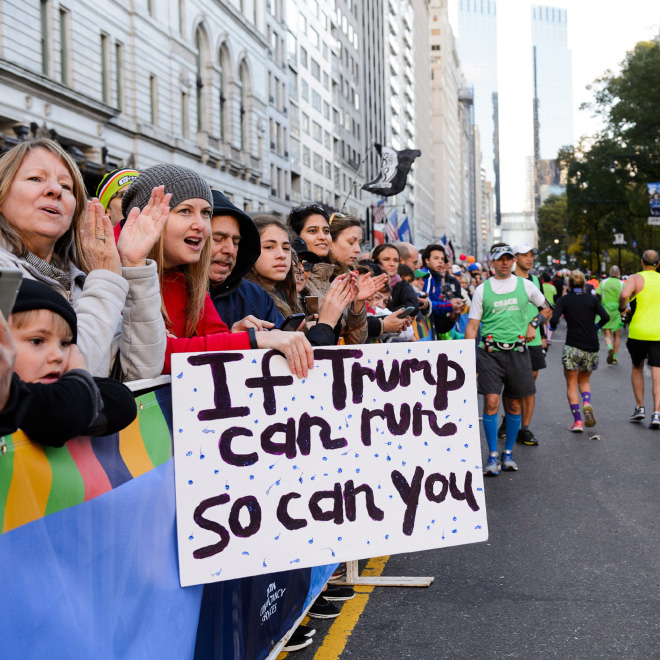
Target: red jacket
x=212, y=333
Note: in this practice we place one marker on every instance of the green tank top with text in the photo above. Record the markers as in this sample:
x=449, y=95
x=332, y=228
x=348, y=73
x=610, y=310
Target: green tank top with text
x=505, y=315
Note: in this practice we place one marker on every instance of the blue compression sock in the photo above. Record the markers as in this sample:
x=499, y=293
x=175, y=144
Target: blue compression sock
x=490, y=429
x=512, y=428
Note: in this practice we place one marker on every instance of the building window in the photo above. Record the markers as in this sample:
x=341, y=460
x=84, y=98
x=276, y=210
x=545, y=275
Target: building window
x=185, y=126
x=44, y=7
x=243, y=107
x=222, y=97
x=105, y=68
x=153, y=100
x=65, y=41
x=119, y=76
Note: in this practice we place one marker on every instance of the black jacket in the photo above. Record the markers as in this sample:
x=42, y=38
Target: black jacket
x=403, y=295
x=249, y=250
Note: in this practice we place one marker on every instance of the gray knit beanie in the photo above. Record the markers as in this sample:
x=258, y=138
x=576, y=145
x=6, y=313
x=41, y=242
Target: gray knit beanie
x=182, y=182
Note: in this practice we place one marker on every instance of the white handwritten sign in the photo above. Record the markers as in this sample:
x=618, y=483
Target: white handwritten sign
x=376, y=452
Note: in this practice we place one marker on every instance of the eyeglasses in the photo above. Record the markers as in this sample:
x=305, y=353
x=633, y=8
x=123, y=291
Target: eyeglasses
x=307, y=266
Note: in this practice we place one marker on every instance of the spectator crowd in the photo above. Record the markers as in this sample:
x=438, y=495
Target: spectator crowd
x=158, y=263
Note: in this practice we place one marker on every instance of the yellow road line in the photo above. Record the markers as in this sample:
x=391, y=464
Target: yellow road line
x=335, y=641
x=337, y=637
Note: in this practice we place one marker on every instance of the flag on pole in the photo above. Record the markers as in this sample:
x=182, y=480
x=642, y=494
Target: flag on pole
x=378, y=212
x=392, y=229
x=404, y=231
x=394, y=168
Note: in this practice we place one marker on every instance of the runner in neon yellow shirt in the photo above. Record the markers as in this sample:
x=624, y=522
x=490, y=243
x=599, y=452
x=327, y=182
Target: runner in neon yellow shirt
x=609, y=291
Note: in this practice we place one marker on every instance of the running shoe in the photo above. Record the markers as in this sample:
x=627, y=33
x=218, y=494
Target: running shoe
x=508, y=463
x=501, y=432
x=577, y=427
x=610, y=356
x=638, y=415
x=655, y=421
x=589, y=417
x=306, y=630
x=526, y=437
x=615, y=360
x=493, y=466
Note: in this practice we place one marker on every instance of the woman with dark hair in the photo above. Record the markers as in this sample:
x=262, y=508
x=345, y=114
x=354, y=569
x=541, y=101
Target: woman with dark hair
x=387, y=256
x=51, y=233
x=183, y=256
x=580, y=353
x=273, y=270
x=276, y=269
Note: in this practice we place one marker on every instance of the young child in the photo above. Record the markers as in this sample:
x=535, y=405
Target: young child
x=379, y=303
x=64, y=400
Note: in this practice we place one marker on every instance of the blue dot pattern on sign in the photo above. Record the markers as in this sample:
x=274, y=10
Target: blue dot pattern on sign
x=194, y=389
x=479, y=488
x=448, y=448
x=293, y=398
x=180, y=375
x=295, y=561
x=251, y=477
x=188, y=453
x=424, y=392
x=339, y=470
x=180, y=430
x=478, y=527
x=357, y=470
x=191, y=537
x=453, y=531
x=216, y=471
x=202, y=456
x=403, y=463
x=310, y=541
x=325, y=458
x=311, y=396
x=465, y=445
x=192, y=410
x=190, y=481
x=254, y=362
x=387, y=536
x=245, y=552
x=325, y=374
x=375, y=455
x=339, y=538
x=454, y=518
x=277, y=538
x=285, y=408
x=264, y=564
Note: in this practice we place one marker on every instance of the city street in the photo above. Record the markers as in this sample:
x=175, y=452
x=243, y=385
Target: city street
x=571, y=568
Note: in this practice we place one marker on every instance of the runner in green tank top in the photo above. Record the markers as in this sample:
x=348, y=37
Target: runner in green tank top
x=524, y=259
x=500, y=305
x=550, y=293
x=609, y=291
x=644, y=333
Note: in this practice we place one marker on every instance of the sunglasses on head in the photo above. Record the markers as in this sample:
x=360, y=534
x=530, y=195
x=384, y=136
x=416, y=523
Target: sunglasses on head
x=335, y=215
x=308, y=207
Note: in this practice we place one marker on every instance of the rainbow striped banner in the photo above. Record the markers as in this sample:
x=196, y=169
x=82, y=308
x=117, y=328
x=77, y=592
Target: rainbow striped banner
x=36, y=481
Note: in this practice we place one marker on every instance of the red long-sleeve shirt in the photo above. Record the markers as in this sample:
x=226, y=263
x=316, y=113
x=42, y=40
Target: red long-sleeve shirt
x=212, y=333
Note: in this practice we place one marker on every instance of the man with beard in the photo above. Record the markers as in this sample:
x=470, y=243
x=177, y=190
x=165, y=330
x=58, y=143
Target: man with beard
x=236, y=246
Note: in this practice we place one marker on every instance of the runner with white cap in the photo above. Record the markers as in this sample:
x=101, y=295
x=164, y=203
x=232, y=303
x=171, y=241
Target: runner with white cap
x=500, y=304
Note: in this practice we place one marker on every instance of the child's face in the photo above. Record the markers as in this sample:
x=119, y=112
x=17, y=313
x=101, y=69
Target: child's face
x=381, y=300
x=419, y=283
x=43, y=350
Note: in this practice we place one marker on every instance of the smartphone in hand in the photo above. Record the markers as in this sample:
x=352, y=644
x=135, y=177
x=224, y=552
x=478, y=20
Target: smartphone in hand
x=292, y=323
x=10, y=282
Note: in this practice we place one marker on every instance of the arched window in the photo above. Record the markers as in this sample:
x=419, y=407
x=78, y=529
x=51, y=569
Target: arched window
x=201, y=61
x=223, y=98
x=244, y=80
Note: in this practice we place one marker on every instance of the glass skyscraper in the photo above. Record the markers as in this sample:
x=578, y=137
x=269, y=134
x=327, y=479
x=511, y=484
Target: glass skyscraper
x=554, y=79
x=477, y=51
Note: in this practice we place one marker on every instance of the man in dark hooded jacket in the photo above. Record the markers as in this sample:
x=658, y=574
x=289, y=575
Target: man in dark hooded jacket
x=236, y=247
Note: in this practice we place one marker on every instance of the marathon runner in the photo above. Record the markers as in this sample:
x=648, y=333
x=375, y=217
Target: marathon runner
x=608, y=292
x=500, y=304
x=644, y=333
